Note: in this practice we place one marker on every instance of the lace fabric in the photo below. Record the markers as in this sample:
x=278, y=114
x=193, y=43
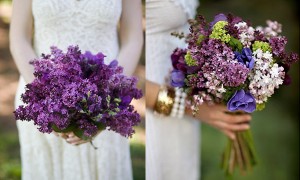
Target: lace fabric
x=91, y=24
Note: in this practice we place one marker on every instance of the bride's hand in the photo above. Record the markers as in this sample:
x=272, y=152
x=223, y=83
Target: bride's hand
x=70, y=138
x=74, y=140
x=62, y=135
x=216, y=116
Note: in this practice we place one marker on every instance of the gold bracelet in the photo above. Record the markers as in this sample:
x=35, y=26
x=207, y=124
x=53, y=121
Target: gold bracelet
x=165, y=101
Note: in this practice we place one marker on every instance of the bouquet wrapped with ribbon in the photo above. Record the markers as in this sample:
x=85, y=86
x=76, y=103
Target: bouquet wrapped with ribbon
x=228, y=61
x=77, y=92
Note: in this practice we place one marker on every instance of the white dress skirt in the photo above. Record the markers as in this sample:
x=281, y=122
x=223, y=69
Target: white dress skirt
x=91, y=24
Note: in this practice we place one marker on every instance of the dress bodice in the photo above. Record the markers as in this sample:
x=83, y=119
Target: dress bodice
x=91, y=24
x=163, y=18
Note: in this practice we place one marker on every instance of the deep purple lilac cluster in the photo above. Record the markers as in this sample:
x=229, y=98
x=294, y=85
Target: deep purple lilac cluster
x=80, y=93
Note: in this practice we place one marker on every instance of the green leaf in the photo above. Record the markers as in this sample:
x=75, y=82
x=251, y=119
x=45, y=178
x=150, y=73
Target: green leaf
x=99, y=116
x=83, y=100
x=112, y=113
x=200, y=39
x=117, y=100
x=230, y=92
x=108, y=98
x=82, y=111
x=80, y=133
x=235, y=44
x=68, y=129
x=100, y=126
x=260, y=107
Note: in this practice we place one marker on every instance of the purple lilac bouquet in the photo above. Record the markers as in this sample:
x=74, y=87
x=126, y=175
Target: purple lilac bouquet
x=228, y=61
x=75, y=92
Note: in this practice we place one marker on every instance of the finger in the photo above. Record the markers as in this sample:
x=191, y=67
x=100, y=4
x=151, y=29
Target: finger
x=245, y=118
x=63, y=135
x=221, y=107
x=231, y=127
x=71, y=135
x=230, y=134
x=55, y=133
x=73, y=139
x=80, y=142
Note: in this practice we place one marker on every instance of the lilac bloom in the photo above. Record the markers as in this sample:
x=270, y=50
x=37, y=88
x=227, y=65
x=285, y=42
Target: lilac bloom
x=113, y=64
x=79, y=91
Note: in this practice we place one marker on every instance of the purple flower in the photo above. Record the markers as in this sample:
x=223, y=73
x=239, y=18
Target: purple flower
x=177, y=58
x=78, y=90
x=287, y=79
x=218, y=17
x=126, y=100
x=278, y=46
x=177, y=78
x=113, y=64
x=245, y=57
x=291, y=58
x=243, y=101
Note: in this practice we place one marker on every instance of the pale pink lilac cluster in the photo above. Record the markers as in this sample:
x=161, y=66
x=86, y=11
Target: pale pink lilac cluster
x=246, y=33
x=265, y=77
x=229, y=61
x=273, y=29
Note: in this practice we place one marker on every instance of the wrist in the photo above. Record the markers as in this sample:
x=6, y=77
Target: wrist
x=171, y=102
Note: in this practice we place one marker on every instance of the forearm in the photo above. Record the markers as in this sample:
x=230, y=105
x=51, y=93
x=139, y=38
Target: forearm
x=22, y=53
x=131, y=35
x=20, y=36
x=129, y=55
x=152, y=90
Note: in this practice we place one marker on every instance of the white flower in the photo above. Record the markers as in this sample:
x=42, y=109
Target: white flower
x=251, y=30
x=267, y=55
x=266, y=79
x=221, y=89
x=259, y=28
x=258, y=53
x=264, y=66
x=274, y=71
x=241, y=25
x=278, y=82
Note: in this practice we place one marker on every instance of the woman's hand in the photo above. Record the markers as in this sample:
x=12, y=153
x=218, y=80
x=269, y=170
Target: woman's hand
x=62, y=135
x=74, y=140
x=71, y=138
x=218, y=117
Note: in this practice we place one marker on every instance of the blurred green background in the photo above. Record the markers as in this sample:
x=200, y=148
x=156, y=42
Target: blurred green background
x=276, y=129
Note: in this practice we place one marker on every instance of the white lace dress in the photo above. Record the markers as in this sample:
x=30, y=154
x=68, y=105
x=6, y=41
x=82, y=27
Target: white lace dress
x=91, y=24
x=172, y=151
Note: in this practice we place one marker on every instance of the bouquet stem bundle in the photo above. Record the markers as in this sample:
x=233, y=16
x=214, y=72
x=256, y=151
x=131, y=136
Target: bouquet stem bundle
x=239, y=153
